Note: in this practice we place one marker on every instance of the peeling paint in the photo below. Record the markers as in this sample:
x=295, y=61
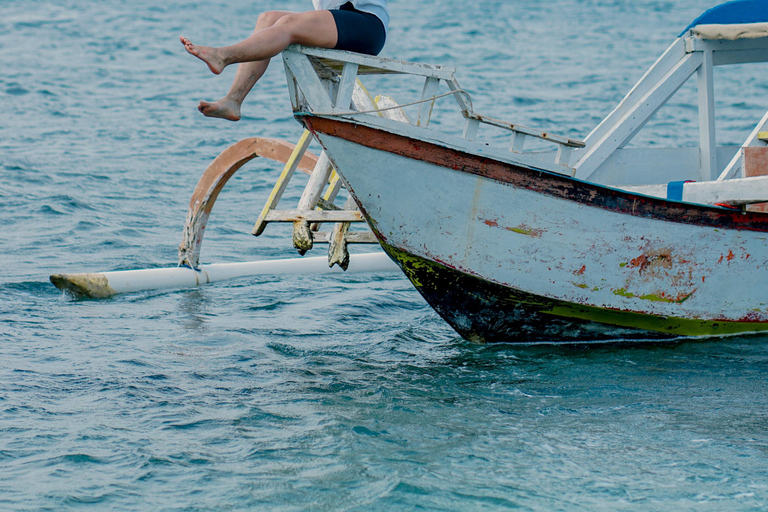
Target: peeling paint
x=522, y=229
x=659, y=297
x=653, y=259
x=484, y=311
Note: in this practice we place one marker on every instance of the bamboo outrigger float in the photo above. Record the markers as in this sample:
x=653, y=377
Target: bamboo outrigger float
x=596, y=241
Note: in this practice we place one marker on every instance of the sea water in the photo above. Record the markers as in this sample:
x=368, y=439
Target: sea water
x=329, y=392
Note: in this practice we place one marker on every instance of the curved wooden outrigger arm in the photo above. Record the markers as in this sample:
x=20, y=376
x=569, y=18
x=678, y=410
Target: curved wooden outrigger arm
x=216, y=176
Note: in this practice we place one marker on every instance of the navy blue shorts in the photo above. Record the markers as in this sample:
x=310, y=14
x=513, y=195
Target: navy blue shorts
x=358, y=31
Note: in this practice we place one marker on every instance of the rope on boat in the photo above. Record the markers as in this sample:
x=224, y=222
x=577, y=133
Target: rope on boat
x=377, y=110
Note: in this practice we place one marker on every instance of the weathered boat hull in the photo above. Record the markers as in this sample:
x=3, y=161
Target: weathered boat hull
x=510, y=253
x=486, y=312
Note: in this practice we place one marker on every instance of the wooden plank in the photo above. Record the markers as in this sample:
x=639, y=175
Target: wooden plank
x=697, y=44
x=388, y=126
x=311, y=87
x=563, y=156
x=726, y=58
x=293, y=87
x=396, y=114
x=707, y=138
x=656, y=72
x=656, y=190
x=649, y=165
x=326, y=202
x=352, y=237
x=346, y=86
x=317, y=181
x=735, y=192
x=313, y=216
x=282, y=182
x=425, y=109
x=636, y=116
x=461, y=98
x=336, y=58
x=470, y=130
x=362, y=100
x=518, y=142
x=337, y=250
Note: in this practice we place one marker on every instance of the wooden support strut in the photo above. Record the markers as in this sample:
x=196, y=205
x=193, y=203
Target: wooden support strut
x=315, y=206
x=282, y=182
x=302, y=234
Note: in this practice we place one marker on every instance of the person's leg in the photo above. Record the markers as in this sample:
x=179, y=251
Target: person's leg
x=275, y=30
x=248, y=73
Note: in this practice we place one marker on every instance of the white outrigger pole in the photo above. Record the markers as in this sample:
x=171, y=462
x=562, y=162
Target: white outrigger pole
x=106, y=284
x=305, y=218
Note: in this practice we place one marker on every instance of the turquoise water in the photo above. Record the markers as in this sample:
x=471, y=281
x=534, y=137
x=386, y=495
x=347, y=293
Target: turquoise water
x=325, y=393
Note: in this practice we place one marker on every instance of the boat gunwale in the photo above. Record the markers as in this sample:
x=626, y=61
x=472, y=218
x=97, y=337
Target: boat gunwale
x=538, y=180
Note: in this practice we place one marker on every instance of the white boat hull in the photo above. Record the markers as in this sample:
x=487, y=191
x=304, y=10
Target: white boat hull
x=542, y=248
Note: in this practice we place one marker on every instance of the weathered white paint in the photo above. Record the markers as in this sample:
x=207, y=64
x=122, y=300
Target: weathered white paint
x=707, y=137
x=373, y=65
x=396, y=114
x=425, y=109
x=658, y=70
x=647, y=101
x=346, y=86
x=313, y=216
x=557, y=248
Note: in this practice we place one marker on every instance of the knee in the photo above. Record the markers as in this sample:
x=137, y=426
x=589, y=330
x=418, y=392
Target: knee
x=268, y=18
x=290, y=24
x=287, y=21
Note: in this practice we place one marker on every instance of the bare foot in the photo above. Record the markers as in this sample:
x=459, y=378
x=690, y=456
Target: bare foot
x=224, y=108
x=207, y=54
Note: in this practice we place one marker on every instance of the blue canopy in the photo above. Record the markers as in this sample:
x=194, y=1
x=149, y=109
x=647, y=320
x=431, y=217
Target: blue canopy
x=732, y=13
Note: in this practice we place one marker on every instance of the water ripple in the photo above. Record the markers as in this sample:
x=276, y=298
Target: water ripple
x=324, y=393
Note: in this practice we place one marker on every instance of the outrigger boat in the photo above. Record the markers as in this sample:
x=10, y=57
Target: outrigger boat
x=592, y=241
